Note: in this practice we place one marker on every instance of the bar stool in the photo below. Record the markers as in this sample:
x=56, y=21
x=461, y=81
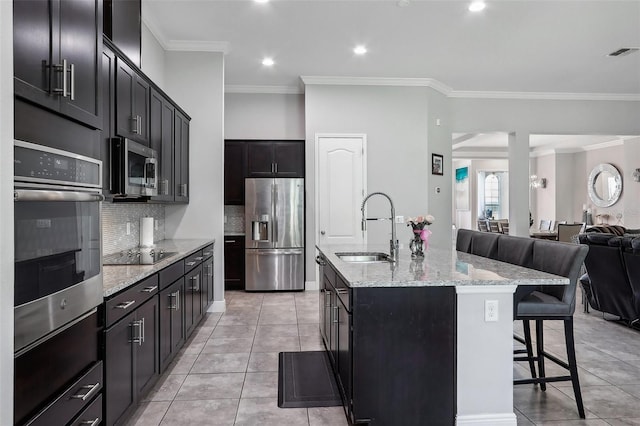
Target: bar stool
x=552, y=303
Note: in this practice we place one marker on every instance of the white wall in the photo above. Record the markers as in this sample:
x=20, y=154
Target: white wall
x=195, y=81
x=263, y=116
x=6, y=213
x=396, y=121
x=153, y=57
x=566, y=190
x=545, y=197
x=631, y=188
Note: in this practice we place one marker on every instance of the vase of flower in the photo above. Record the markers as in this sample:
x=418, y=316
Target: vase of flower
x=420, y=241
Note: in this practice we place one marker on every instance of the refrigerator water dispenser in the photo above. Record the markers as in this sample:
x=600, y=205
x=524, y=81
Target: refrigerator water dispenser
x=260, y=229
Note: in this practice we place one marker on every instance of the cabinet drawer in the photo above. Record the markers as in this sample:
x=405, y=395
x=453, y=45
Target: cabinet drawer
x=207, y=251
x=130, y=299
x=171, y=273
x=92, y=415
x=72, y=401
x=193, y=261
x=344, y=292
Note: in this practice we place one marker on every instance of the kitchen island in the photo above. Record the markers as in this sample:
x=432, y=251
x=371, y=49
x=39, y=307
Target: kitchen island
x=413, y=342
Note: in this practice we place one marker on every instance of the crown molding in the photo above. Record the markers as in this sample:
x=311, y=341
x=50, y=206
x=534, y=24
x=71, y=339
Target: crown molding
x=602, y=145
x=377, y=81
x=198, y=46
x=280, y=90
x=155, y=30
x=545, y=96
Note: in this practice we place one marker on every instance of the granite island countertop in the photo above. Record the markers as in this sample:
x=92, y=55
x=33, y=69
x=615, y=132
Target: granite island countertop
x=118, y=277
x=440, y=267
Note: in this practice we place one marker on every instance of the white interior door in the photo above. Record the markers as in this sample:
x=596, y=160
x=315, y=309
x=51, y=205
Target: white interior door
x=341, y=171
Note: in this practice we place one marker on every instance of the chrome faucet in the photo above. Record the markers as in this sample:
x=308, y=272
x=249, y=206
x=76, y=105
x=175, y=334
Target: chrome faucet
x=393, y=244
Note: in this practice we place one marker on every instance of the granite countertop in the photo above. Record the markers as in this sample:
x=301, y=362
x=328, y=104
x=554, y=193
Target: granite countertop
x=440, y=267
x=118, y=277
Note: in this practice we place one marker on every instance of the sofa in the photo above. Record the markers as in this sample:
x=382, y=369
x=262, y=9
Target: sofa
x=612, y=281
x=612, y=229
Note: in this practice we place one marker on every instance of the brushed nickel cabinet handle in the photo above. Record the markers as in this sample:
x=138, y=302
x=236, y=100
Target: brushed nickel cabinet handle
x=124, y=305
x=190, y=263
x=92, y=389
x=73, y=82
x=93, y=422
x=150, y=289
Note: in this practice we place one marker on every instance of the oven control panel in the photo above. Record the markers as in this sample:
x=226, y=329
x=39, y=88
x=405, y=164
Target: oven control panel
x=37, y=163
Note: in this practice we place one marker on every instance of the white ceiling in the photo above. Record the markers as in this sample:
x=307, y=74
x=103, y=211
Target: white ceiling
x=547, y=46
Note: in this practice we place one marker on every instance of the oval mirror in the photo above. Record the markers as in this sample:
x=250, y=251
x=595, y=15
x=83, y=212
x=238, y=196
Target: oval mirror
x=605, y=185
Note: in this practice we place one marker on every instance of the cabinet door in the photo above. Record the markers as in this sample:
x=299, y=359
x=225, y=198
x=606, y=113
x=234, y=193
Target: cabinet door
x=141, y=95
x=108, y=116
x=344, y=349
x=32, y=62
x=207, y=271
x=234, y=263
x=181, y=158
x=234, y=158
x=260, y=159
x=118, y=367
x=324, y=308
x=147, y=350
x=126, y=122
x=333, y=333
x=122, y=26
x=194, y=283
x=171, y=322
x=161, y=123
x=289, y=159
x=81, y=47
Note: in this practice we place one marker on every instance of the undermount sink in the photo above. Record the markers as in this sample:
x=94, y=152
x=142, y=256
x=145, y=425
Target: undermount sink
x=359, y=257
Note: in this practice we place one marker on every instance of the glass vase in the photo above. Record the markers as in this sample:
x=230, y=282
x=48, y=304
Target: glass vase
x=416, y=246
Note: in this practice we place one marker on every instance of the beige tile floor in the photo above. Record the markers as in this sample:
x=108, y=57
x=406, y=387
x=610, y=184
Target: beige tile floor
x=227, y=372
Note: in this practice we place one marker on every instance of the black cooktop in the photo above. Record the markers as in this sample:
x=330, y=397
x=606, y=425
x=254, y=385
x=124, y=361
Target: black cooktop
x=137, y=256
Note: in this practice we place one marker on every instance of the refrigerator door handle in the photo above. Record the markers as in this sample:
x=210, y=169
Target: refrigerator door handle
x=274, y=217
x=269, y=252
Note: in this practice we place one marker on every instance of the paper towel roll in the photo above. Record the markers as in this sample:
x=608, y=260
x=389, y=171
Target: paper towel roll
x=146, y=231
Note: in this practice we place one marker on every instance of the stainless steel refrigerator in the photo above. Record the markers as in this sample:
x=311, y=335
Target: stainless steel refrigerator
x=274, y=234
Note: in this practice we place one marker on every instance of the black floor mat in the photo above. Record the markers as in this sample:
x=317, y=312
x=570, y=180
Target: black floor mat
x=305, y=379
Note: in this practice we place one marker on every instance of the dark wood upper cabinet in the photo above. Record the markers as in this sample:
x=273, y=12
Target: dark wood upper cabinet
x=181, y=158
x=108, y=116
x=58, y=56
x=161, y=134
x=289, y=159
x=234, y=172
x=132, y=103
x=122, y=24
x=275, y=159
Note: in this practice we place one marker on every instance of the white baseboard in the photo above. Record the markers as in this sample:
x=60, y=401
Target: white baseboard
x=218, y=306
x=311, y=285
x=497, y=419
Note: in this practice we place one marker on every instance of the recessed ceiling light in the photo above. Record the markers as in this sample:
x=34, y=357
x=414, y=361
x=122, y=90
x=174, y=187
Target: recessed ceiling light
x=267, y=62
x=261, y=1
x=360, y=50
x=477, y=6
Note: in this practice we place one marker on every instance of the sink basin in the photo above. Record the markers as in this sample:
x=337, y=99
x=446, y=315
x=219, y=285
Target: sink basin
x=358, y=257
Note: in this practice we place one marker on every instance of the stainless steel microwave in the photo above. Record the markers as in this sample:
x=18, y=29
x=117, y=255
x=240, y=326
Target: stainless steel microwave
x=134, y=169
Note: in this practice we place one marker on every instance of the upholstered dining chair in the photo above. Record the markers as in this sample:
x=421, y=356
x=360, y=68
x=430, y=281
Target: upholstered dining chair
x=483, y=225
x=568, y=233
x=494, y=226
x=553, y=303
x=545, y=225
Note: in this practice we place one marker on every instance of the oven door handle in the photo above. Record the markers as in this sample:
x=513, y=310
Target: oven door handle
x=48, y=195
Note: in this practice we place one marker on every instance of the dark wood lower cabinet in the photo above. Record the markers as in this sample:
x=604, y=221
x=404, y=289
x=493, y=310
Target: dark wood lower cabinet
x=171, y=322
x=234, y=262
x=193, y=298
x=392, y=349
x=131, y=361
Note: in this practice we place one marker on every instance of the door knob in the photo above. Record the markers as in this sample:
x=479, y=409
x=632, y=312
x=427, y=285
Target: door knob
x=322, y=232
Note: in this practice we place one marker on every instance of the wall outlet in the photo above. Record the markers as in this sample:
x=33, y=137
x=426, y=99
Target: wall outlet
x=490, y=310
x=399, y=219
x=128, y=228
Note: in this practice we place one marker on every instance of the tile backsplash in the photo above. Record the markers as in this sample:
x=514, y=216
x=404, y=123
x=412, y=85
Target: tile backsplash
x=115, y=217
x=234, y=218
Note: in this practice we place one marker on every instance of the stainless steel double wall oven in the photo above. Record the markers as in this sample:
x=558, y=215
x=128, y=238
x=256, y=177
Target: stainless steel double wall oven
x=58, y=247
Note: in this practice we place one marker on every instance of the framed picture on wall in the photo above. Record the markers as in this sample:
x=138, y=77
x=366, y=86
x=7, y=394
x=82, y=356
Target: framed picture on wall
x=436, y=164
